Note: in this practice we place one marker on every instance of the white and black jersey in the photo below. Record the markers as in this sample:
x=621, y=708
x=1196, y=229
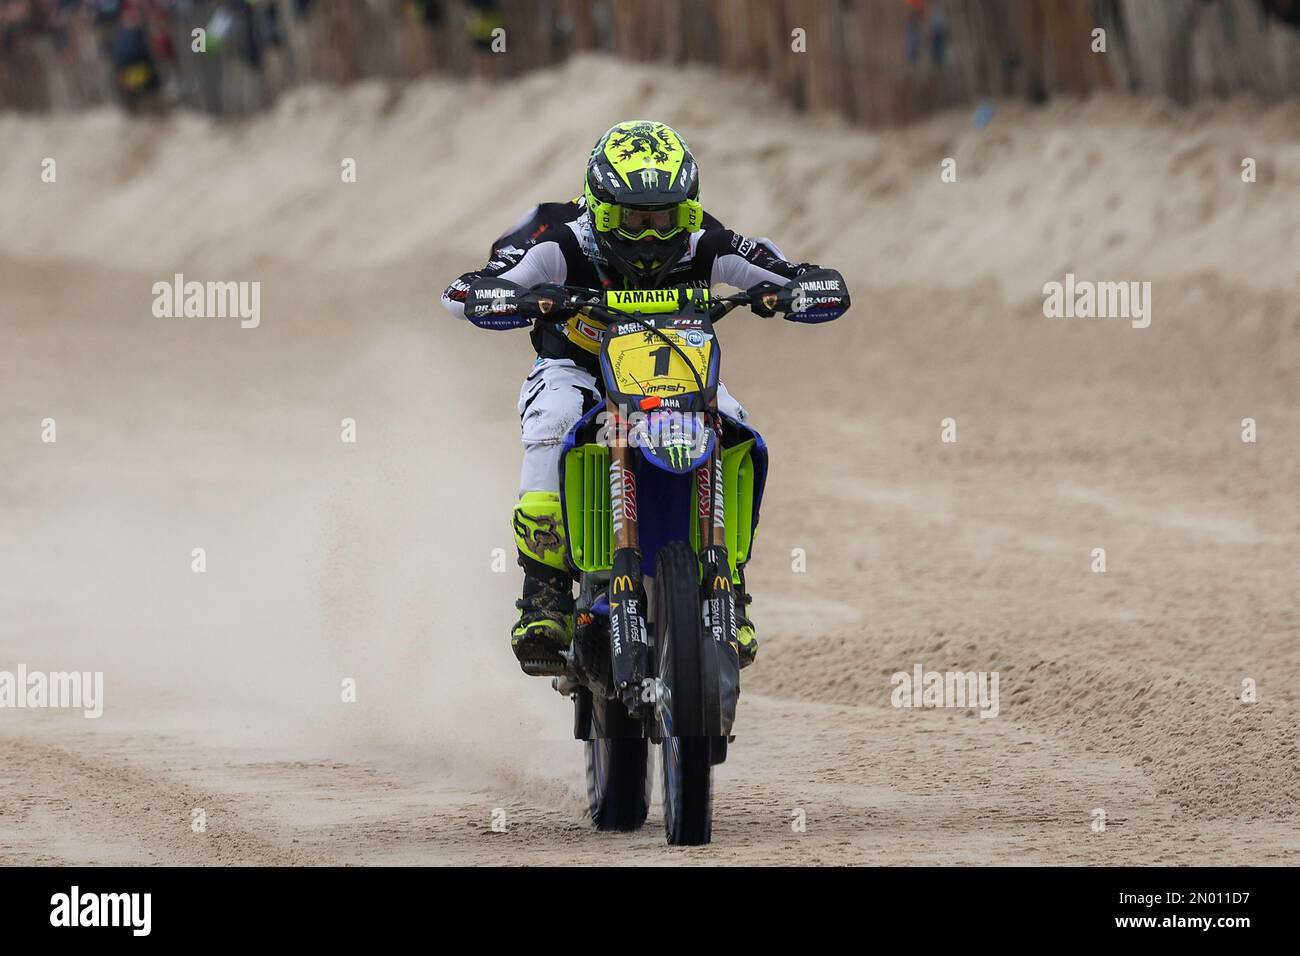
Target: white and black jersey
x=555, y=243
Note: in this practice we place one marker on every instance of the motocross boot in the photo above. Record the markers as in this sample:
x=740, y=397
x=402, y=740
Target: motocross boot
x=545, y=627
x=745, y=635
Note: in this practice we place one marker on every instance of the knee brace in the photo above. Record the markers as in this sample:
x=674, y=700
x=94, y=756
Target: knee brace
x=539, y=528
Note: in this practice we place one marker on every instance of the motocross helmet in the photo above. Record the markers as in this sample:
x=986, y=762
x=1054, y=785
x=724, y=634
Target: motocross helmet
x=642, y=193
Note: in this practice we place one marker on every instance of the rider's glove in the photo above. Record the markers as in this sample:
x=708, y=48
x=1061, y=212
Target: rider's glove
x=817, y=295
x=763, y=298
x=544, y=303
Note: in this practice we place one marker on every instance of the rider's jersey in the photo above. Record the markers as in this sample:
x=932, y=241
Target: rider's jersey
x=555, y=243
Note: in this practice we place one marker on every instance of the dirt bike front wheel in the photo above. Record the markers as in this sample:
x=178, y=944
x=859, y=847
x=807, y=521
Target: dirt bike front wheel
x=618, y=769
x=679, y=637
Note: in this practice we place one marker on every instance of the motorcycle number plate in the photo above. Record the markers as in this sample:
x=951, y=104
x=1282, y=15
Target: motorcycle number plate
x=642, y=363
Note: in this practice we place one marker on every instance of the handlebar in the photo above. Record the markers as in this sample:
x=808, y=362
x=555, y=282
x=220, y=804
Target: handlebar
x=587, y=302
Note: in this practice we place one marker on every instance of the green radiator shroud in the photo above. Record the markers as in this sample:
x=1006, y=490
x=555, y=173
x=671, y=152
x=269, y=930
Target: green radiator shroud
x=586, y=506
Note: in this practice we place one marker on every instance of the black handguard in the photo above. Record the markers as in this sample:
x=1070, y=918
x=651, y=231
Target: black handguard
x=494, y=304
x=817, y=295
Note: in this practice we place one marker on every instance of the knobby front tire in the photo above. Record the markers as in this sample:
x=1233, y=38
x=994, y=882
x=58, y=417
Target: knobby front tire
x=679, y=638
x=618, y=770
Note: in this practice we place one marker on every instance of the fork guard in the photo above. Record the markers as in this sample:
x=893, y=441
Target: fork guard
x=627, y=628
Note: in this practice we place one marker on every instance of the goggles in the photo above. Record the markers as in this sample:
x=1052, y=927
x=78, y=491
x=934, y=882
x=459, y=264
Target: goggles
x=639, y=222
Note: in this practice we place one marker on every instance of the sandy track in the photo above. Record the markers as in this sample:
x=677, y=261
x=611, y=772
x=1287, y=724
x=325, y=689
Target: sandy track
x=954, y=791
x=375, y=561
x=1117, y=690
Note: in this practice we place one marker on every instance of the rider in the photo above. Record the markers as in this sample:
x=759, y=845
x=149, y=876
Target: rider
x=638, y=225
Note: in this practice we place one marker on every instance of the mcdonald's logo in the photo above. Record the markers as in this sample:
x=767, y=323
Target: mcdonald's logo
x=721, y=584
x=622, y=583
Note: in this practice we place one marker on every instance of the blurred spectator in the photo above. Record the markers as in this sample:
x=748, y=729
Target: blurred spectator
x=139, y=49
x=56, y=54
x=485, y=17
x=925, y=20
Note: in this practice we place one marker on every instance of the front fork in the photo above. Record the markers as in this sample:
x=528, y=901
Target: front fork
x=719, y=596
x=627, y=599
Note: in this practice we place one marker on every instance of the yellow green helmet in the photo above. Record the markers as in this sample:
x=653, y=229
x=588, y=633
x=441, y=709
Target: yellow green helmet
x=642, y=193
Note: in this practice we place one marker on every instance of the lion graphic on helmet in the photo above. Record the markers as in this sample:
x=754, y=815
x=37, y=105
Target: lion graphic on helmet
x=644, y=138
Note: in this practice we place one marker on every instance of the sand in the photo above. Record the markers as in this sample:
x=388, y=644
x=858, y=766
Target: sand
x=377, y=561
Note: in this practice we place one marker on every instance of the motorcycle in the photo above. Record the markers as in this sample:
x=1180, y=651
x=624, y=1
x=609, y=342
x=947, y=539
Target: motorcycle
x=647, y=491
x=660, y=494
